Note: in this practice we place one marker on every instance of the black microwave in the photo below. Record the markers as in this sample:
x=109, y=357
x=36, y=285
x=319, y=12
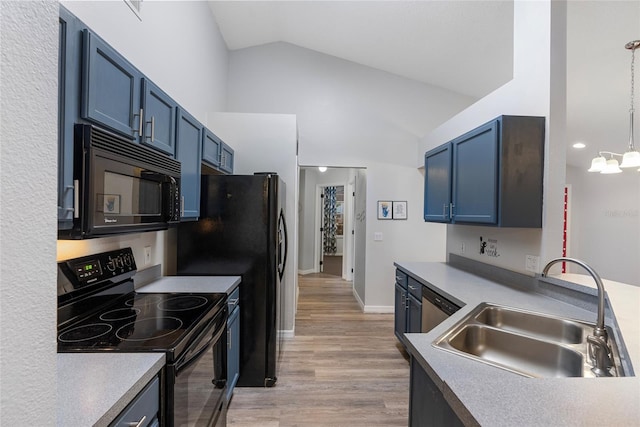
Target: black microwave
x=120, y=187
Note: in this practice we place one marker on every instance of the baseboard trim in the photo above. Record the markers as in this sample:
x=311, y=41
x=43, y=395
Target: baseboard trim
x=381, y=309
x=286, y=334
x=305, y=272
x=355, y=294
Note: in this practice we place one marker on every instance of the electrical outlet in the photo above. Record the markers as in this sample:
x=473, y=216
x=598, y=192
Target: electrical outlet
x=147, y=255
x=377, y=236
x=532, y=263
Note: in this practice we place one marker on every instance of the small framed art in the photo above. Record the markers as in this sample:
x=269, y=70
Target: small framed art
x=385, y=209
x=400, y=210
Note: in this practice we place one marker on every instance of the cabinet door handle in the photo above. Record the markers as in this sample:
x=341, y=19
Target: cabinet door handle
x=140, y=122
x=181, y=205
x=152, y=122
x=451, y=206
x=138, y=423
x=229, y=336
x=444, y=211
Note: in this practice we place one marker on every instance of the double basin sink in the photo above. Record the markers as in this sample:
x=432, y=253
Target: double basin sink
x=524, y=342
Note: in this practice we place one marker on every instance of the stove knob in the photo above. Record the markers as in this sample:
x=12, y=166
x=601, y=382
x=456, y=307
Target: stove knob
x=111, y=265
x=127, y=260
x=119, y=262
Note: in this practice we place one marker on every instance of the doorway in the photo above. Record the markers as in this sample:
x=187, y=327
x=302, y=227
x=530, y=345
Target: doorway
x=327, y=243
x=332, y=212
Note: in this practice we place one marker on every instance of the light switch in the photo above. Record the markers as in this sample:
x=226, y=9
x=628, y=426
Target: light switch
x=377, y=236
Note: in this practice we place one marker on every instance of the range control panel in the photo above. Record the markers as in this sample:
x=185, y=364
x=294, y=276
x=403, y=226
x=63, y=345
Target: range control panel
x=99, y=267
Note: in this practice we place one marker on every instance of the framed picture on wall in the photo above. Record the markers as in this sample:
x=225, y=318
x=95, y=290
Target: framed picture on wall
x=400, y=210
x=385, y=209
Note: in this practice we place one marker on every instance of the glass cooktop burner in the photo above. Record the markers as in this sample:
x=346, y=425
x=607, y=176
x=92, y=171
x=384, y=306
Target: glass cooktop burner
x=120, y=314
x=85, y=332
x=181, y=303
x=142, y=300
x=149, y=328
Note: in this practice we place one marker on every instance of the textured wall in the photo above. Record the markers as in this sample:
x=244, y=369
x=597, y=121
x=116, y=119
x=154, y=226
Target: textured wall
x=28, y=221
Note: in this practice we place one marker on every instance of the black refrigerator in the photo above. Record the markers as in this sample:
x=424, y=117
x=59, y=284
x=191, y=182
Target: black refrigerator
x=242, y=232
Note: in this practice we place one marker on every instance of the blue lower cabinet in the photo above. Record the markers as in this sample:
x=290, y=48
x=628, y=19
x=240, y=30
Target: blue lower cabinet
x=188, y=142
x=427, y=405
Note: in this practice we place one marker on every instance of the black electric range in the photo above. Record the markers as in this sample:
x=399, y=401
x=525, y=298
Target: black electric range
x=99, y=310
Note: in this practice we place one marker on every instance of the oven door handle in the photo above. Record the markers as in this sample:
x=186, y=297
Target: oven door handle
x=184, y=362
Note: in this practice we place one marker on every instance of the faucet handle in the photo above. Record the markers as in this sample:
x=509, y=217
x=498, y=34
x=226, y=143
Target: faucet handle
x=599, y=354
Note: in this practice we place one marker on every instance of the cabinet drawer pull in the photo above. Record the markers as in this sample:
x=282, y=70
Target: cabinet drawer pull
x=138, y=423
x=234, y=301
x=413, y=288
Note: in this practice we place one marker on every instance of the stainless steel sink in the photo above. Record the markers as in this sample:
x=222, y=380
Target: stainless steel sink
x=528, y=343
x=545, y=327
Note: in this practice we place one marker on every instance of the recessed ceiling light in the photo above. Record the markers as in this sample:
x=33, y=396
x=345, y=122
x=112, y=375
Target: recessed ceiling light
x=579, y=145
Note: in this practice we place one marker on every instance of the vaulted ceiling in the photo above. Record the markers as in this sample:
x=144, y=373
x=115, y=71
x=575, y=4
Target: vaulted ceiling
x=463, y=46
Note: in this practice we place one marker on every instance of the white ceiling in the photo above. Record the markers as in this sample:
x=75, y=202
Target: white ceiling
x=463, y=46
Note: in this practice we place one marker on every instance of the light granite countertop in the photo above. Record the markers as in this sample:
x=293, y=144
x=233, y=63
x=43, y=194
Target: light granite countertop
x=196, y=284
x=484, y=395
x=93, y=388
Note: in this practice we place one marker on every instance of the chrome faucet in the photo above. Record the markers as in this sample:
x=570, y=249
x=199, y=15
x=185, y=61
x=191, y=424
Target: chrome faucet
x=599, y=351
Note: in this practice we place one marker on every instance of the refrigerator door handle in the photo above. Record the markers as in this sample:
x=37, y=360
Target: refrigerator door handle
x=282, y=241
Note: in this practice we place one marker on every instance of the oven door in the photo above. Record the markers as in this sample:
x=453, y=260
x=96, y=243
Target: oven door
x=199, y=379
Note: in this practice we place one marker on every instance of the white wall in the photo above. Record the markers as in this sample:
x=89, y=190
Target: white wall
x=267, y=143
x=177, y=44
x=353, y=116
x=28, y=215
x=537, y=89
x=605, y=223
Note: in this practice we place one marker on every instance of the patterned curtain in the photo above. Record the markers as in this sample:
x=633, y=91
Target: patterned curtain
x=329, y=226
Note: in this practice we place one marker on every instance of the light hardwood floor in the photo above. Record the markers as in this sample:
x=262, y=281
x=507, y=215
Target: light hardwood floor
x=343, y=368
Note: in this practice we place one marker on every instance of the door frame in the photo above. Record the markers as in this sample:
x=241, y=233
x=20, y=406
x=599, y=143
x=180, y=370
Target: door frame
x=348, y=225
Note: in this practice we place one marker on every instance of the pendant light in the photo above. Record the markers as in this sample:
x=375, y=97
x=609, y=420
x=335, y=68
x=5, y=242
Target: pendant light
x=631, y=159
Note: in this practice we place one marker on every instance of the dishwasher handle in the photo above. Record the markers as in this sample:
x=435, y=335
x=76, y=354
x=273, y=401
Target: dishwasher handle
x=439, y=301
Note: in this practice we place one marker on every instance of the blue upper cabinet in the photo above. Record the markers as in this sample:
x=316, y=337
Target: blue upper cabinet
x=211, y=149
x=226, y=158
x=159, y=118
x=437, y=184
x=69, y=72
x=216, y=153
x=495, y=175
x=475, y=176
x=111, y=88
x=188, y=140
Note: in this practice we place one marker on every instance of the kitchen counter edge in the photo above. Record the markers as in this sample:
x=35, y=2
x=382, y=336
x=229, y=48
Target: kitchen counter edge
x=93, y=388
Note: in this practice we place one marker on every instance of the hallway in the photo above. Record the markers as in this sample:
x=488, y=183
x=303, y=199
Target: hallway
x=343, y=368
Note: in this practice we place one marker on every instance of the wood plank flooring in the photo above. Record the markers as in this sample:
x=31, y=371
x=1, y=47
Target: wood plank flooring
x=343, y=368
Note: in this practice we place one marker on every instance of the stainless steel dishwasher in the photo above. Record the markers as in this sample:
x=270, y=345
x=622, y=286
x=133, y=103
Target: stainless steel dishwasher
x=435, y=309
